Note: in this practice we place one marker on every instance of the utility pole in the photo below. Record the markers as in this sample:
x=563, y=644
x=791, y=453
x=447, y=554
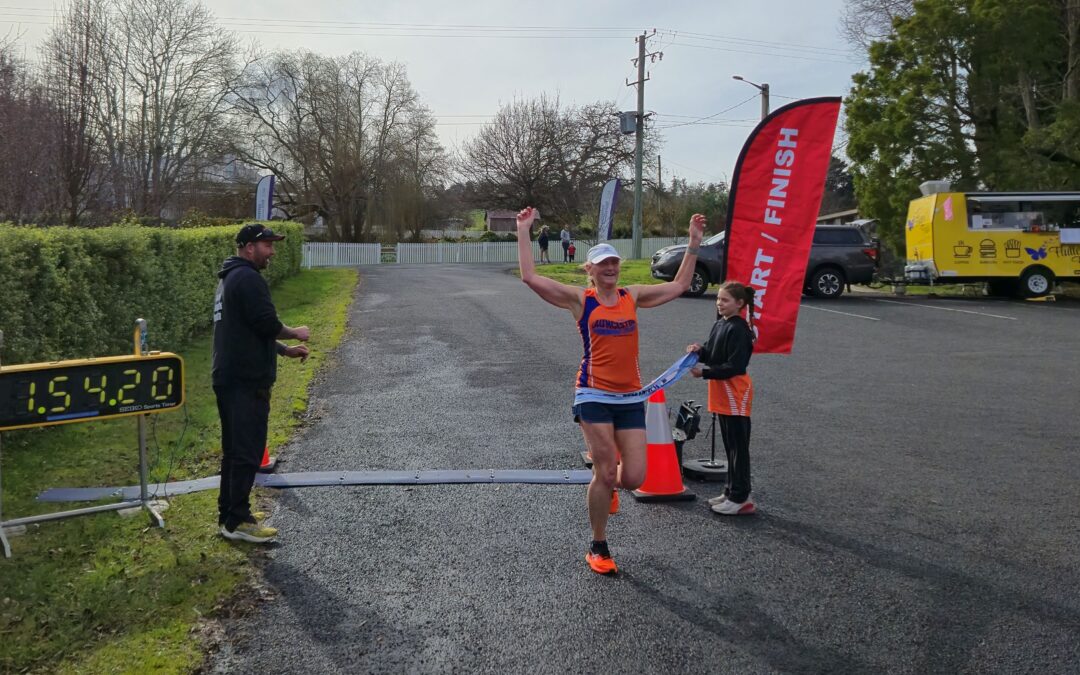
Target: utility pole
x=640, y=133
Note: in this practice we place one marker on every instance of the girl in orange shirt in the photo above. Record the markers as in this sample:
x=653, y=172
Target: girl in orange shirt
x=723, y=360
x=606, y=315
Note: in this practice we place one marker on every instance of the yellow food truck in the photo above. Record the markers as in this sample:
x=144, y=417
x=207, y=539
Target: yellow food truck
x=1014, y=241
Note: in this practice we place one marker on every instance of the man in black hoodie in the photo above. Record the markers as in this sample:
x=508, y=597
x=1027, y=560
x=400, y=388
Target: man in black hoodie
x=246, y=329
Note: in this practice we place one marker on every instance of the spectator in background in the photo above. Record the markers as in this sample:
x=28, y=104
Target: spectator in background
x=542, y=241
x=564, y=236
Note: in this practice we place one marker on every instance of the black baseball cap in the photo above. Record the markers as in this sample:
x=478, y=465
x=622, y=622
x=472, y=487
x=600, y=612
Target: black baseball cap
x=253, y=232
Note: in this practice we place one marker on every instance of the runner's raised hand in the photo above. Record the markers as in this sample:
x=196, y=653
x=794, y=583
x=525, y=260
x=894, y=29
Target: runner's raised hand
x=526, y=217
x=697, y=228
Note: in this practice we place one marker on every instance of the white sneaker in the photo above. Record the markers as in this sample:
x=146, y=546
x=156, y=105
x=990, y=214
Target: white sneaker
x=730, y=508
x=717, y=500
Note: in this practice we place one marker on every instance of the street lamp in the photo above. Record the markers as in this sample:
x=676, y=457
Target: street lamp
x=763, y=88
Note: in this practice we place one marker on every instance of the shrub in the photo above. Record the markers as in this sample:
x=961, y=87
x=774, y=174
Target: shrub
x=75, y=293
x=497, y=236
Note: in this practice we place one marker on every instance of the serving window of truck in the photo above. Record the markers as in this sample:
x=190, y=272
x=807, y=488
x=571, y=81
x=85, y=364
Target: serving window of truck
x=1015, y=241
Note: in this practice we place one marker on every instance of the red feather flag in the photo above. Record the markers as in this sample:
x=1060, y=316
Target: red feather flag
x=773, y=207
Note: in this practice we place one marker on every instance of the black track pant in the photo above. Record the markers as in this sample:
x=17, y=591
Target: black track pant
x=244, y=414
x=735, y=430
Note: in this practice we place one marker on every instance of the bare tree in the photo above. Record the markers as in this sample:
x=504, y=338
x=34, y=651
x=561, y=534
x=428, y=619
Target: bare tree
x=162, y=71
x=864, y=22
x=412, y=183
x=26, y=193
x=336, y=132
x=68, y=56
x=538, y=152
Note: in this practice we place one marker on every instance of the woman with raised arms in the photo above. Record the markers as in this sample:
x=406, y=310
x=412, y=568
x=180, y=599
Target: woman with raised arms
x=606, y=316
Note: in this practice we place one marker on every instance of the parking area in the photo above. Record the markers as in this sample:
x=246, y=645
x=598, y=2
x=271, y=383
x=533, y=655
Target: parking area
x=922, y=453
x=914, y=462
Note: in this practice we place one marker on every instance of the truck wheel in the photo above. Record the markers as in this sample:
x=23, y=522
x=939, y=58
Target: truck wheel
x=827, y=282
x=1036, y=282
x=698, y=283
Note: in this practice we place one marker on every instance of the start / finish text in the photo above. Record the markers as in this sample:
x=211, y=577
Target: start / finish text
x=774, y=215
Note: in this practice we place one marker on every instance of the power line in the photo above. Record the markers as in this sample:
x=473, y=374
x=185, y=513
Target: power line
x=702, y=173
x=702, y=119
x=289, y=26
x=449, y=36
x=698, y=116
x=476, y=31
x=435, y=26
x=770, y=54
x=711, y=124
x=260, y=22
x=759, y=43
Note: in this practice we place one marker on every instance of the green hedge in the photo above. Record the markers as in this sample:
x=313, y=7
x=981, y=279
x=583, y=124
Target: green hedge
x=74, y=293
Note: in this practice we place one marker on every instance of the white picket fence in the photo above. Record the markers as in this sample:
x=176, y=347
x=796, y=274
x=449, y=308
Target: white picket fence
x=334, y=254
x=318, y=254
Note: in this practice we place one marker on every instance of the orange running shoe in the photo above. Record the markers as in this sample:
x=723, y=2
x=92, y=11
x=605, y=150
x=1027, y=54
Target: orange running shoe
x=601, y=563
x=614, y=502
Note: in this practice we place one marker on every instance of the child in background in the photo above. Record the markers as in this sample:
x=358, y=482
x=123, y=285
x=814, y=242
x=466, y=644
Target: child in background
x=570, y=251
x=723, y=360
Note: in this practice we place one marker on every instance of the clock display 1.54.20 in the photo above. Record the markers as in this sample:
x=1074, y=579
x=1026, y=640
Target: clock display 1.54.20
x=61, y=392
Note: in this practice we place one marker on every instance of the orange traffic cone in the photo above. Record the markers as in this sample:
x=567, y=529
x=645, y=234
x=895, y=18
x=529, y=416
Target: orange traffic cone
x=663, y=480
x=268, y=463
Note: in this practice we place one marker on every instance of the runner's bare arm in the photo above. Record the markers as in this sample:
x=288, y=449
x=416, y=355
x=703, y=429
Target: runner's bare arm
x=652, y=296
x=560, y=295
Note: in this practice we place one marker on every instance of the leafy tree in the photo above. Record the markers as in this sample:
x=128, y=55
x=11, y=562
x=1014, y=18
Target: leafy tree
x=684, y=199
x=839, y=188
x=978, y=92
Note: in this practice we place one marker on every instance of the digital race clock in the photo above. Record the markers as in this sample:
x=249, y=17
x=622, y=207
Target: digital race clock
x=42, y=394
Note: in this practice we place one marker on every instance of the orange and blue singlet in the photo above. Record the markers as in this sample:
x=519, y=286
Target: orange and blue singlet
x=609, y=336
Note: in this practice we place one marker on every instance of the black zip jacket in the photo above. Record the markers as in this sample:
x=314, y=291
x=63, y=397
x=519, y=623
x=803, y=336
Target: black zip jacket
x=246, y=327
x=727, y=351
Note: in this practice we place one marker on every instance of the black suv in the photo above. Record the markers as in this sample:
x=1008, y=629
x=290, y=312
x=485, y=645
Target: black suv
x=840, y=255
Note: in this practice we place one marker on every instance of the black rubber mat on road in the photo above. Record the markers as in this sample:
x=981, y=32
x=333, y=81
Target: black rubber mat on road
x=327, y=478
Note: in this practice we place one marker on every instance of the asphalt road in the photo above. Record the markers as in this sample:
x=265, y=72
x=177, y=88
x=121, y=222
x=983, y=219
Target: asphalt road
x=915, y=463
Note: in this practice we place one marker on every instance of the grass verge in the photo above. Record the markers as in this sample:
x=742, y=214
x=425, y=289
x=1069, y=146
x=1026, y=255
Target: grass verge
x=631, y=272
x=101, y=593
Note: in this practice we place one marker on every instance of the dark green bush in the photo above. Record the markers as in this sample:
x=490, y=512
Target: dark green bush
x=497, y=236
x=74, y=293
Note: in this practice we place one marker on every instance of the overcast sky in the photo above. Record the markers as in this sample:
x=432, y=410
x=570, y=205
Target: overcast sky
x=467, y=58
